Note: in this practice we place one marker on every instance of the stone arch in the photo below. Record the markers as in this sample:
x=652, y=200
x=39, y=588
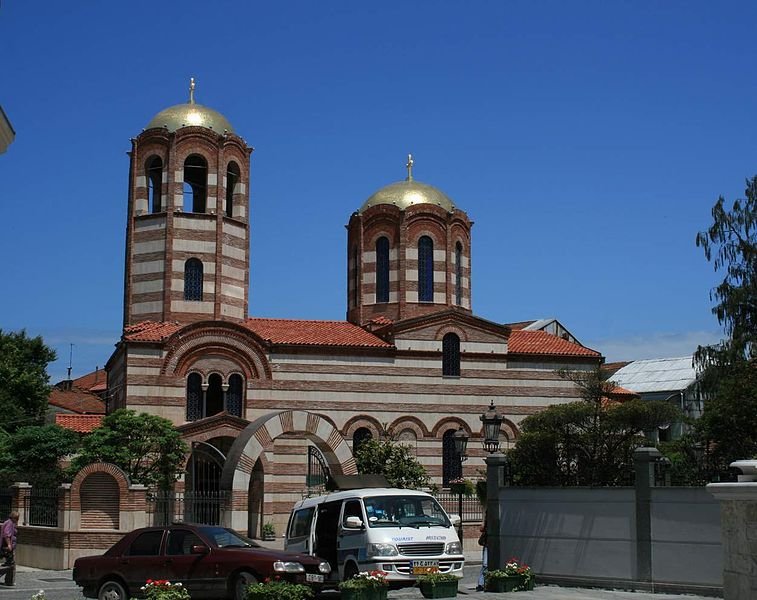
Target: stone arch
x=449, y=423
x=408, y=422
x=359, y=421
x=99, y=494
x=451, y=328
x=194, y=341
x=248, y=447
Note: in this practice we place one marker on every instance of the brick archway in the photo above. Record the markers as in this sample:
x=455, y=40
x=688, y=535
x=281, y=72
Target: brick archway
x=250, y=443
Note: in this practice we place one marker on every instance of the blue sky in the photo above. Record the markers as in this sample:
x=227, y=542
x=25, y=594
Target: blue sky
x=587, y=140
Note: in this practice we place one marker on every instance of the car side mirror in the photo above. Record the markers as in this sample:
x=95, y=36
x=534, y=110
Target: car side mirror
x=200, y=549
x=455, y=520
x=353, y=523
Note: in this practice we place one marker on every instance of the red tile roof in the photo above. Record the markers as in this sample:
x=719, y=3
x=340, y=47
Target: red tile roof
x=94, y=382
x=76, y=401
x=79, y=423
x=150, y=331
x=314, y=333
x=543, y=343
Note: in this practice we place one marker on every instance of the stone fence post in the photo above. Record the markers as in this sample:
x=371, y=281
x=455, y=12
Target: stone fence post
x=738, y=522
x=20, y=500
x=644, y=460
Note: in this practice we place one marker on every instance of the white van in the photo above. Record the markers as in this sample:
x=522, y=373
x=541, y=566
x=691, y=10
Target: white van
x=401, y=532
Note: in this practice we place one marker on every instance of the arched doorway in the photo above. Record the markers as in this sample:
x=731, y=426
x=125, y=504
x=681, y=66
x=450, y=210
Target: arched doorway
x=204, y=500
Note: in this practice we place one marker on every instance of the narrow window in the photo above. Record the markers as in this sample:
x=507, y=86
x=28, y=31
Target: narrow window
x=451, y=467
x=193, y=279
x=382, y=270
x=451, y=355
x=235, y=397
x=232, y=181
x=361, y=435
x=195, y=183
x=355, y=278
x=425, y=269
x=458, y=273
x=155, y=184
x=194, y=396
x=214, y=395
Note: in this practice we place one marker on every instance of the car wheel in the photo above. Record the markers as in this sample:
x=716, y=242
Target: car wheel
x=241, y=581
x=112, y=589
x=350, y=570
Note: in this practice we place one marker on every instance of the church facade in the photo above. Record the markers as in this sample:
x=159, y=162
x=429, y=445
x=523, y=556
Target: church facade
x=261, y=400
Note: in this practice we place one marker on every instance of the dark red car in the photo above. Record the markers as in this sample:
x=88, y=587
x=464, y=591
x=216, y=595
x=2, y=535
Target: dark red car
x=210, y=562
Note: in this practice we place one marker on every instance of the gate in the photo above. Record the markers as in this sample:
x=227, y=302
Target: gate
x=318, y=472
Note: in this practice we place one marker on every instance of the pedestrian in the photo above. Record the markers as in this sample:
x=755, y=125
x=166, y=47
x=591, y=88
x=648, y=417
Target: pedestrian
x=8, y=534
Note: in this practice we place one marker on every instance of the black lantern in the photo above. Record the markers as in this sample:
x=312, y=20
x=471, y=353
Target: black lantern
x=461, y=443
x=492, y=421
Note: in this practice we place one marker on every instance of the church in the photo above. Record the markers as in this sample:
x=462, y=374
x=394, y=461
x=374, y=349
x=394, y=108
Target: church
x=268, y=406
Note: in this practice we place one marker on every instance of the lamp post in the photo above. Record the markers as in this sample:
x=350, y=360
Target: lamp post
x=460, y=438
x=496, y=464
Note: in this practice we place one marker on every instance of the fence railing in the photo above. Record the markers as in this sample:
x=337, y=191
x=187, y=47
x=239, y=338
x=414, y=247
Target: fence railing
x=41, y=507
x=205, y=508
x=472, y=511
x=6, y=498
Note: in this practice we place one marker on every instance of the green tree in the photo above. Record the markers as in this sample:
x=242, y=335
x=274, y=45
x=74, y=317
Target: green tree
x=394, y=461
x=33, y=454
x=25, y=383
x=588, y=442
x=147, y=447
x=728, y=427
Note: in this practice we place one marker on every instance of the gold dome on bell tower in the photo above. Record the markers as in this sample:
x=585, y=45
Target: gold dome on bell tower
x=190, y=114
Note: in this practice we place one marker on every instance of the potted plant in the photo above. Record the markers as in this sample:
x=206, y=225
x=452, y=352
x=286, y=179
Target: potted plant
x=462, y=486
x=269, y=532
x=277, y=589
x=370, y=585
x=514, y=577
x=438, y=585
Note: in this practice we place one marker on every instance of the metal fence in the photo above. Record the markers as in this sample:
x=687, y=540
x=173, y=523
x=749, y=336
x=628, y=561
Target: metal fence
x=472, y=511
x=205, y=508
x=41, y=507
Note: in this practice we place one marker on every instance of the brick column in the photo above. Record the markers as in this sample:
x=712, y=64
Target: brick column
x=20, y=500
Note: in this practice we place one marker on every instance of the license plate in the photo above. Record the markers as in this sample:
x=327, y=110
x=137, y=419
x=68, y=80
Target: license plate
x=313, y=578
x=421, y=567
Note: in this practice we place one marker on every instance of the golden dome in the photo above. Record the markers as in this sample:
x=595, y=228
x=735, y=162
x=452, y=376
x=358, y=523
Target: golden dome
x=190, y=115
x=408, y=193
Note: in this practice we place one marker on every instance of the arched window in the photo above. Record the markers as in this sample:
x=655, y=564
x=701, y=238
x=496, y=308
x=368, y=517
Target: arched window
x=451, y=355
x=194, y=396
x=451, y=467
x=361, y=435
x=355, y=277
x=155, y=184
x=382, y=270
x=235, y=395
x=425, y=269
x=195, y=184
x=232, y=180
x=458, y=273
x=193, y=279
x=214, y=396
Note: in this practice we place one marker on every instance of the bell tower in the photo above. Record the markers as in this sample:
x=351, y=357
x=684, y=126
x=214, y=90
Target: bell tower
x=188, y=231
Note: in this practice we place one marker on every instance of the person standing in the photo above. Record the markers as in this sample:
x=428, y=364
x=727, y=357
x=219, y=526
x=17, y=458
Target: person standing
x=8, y=535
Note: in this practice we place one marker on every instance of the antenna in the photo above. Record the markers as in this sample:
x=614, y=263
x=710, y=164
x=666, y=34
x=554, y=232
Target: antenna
x=70, y=358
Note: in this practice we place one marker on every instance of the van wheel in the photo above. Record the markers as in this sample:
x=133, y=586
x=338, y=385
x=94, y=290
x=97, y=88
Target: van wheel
x=350, y=570
x=112, y=589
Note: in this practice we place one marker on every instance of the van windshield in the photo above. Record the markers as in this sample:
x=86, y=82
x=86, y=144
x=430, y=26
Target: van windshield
x=404, y=511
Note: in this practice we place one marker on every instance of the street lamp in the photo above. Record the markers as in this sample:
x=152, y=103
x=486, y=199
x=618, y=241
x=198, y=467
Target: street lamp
x=460, y=438
x=492, y=421
x=496, y=464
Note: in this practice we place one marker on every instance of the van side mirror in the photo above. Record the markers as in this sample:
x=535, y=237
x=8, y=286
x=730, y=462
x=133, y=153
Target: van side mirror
x=353, y=523
x=199, y=549
x=455, y=520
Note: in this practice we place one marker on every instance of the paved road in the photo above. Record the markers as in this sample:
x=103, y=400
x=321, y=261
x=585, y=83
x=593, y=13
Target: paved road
x=59, y=586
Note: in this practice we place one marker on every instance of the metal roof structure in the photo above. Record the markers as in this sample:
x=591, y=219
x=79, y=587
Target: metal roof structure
x=657, y=375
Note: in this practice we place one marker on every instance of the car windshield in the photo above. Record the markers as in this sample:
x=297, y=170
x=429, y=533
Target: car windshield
x=226, y=538
x=402, y=511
